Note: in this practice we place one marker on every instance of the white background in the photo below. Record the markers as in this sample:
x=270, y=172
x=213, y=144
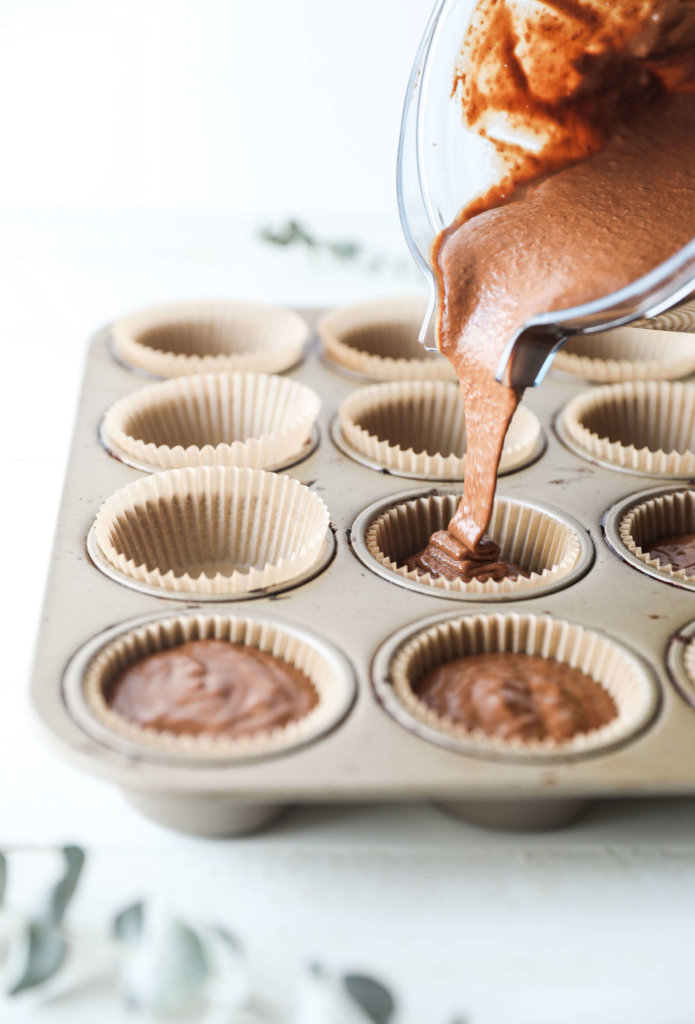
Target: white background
x=265, y=106
x=141, y=145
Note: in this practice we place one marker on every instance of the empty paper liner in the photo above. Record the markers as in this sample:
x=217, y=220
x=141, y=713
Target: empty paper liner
x=240, y=419
x=332, y=685
x=643, y=526
x=212, y=530
x=680, y=318
x=210, y=337
x=418, y=427
x=379, y=340
x=642, y=426
x=546, y=547
x=627, y=353
x=604, y=660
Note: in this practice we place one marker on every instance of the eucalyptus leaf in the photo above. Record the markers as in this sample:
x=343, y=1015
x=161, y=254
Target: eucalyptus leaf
x=323, y=998
x=128, y=925
x=291, y=233
x=37, y=950
x=300, y=234
x=345, y=250
x=373, y=997
x=228, y=984
x=165, y=969
x=36, y=955
x=3, y=876
x=226, y=937
x=59, y=895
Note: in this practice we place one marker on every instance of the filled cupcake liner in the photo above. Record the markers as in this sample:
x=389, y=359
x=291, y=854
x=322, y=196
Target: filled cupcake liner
x=546, y=547
x=239, y=419
x=212, y=530
x=627, y=353
x=680, y=318
x=379, y=340
x=603, y=659
x=331, y=687
x=418, y=427
x=183, y=338
x=642, y=426
x=671, y=512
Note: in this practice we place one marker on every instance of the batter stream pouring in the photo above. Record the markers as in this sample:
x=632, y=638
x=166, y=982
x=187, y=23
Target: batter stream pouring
x=582, y=116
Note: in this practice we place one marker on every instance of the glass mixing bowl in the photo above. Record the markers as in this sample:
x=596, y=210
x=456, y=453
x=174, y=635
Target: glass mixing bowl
x=442, y=165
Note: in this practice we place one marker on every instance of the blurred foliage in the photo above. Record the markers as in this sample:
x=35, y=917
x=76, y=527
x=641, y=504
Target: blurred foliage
x=293, y=234
x=166, y=967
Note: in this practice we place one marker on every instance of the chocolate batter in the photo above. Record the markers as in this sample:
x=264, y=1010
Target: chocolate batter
x=517, y=696
x=590, y=108
x=212, y=688
x=446, y=556
x=677, y=550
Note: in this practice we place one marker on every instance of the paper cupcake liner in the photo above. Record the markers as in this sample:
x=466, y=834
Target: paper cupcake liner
x=379, y=340
x=668, y=513
x=182, y=338
x=627, y=353
x=680, y=319
x=604, y=660
x=689, y=665
x=546, y=547
x=239, y=419
x=212, y=530
x=680, y=661
x=333, y=689
x=643, y=426
x=418, y=427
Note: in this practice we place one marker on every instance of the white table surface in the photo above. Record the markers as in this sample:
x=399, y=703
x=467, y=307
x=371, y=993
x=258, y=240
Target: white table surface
x=594, y=921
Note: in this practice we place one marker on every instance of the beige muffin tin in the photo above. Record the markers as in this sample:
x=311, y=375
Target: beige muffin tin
x=360, y=616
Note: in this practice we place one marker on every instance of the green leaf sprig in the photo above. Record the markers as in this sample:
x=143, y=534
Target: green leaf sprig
x=294, y=234
x=37, y=945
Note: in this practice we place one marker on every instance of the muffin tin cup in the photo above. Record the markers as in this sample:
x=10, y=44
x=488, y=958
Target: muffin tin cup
x=643, y=427
x=552, y=546
x=213, y=816
x=680, y=661
x=378, y=340
x=416, y=429
x=106, y=656
x=406, y=656
x=182, y=338
x=211, y=533
x=627, y=353
x=255, y=421
x=634, y=523
x=519, y=815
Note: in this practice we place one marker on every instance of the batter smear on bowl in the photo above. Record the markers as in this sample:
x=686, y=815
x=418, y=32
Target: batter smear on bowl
x=590, y=108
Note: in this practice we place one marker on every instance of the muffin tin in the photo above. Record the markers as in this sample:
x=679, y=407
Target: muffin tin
x=359, y=615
